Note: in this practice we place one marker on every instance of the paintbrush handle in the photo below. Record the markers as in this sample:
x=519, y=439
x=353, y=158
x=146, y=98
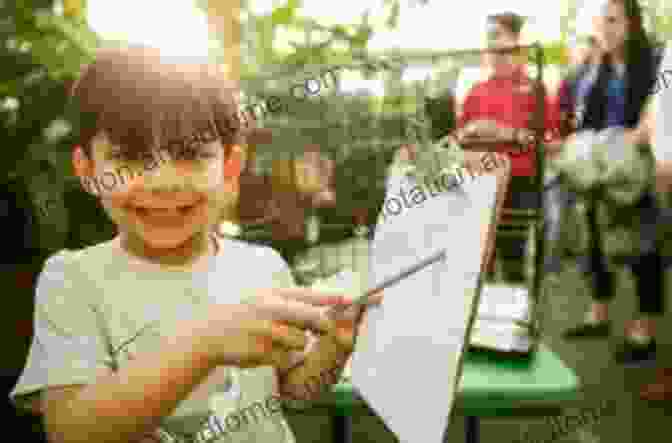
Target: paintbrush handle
x=363, y=299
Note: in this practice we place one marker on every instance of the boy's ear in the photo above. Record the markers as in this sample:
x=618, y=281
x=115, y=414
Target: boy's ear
x=81, y=163
x=83, y=167
x=233, y=164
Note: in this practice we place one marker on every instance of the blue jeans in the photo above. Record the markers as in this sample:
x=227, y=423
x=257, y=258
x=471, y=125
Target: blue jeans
x=557, y=198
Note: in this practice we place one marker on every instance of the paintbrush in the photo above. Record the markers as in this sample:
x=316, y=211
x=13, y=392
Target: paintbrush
x=334, y=312
x=365, y=298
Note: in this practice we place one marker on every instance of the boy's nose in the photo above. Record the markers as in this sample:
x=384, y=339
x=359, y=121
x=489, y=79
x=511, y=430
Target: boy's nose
x=165, y=176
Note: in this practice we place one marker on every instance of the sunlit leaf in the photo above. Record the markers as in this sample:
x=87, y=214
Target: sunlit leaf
x=285, y=14
x=393, y=19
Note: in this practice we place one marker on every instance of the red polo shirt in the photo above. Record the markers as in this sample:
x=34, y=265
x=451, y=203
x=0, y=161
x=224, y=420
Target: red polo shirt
x=509, y=100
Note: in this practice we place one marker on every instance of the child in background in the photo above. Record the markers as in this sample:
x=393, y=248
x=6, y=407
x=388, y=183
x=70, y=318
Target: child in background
x=504, y=107
x=135, y=338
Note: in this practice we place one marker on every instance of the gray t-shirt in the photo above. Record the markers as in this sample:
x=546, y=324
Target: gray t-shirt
x=99, y=307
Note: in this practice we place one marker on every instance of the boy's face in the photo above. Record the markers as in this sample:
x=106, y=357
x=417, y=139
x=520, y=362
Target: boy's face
x=163, y=199
x=499, y=36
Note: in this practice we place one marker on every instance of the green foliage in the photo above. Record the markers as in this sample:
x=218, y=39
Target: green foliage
x=554, y=54
x=285, y=15
x=395, y=8
x=40, y=54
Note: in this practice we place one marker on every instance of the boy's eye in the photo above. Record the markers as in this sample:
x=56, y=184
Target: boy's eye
x=193, y=154
x=117, y=155
x=207, y=155
x=124, y=156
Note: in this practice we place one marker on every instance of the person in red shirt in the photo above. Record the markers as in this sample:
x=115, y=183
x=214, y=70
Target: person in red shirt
x=503, y=107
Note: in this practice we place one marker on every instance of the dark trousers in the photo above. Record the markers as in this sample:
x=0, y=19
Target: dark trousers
x=511, y=248
x=648, y=270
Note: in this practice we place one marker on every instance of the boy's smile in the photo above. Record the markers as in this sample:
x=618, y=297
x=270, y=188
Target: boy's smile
x=167, y=214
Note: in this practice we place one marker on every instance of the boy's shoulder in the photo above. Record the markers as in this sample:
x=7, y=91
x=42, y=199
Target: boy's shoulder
x=80, y=258
x=263, y=264
x=106, y=257
x=242, y=251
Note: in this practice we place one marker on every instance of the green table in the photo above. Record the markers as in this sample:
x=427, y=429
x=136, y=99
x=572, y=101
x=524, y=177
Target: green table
x=491, y=386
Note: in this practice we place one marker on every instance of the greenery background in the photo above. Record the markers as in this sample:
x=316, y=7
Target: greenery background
x=43, y=44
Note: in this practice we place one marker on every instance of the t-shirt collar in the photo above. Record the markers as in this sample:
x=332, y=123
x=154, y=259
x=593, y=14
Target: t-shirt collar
x=515, y=74
x=201, y=263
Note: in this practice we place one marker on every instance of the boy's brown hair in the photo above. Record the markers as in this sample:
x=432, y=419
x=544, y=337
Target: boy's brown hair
x=510, y=20
x=142, y=101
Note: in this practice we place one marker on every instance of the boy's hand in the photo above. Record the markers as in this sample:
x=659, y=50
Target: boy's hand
x=264, y=329
x=345, y=329
x=323, y=364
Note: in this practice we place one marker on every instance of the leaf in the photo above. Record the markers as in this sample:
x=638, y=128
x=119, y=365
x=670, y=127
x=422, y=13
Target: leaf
x=362, y=36
x=285, y=15
x=393, y=19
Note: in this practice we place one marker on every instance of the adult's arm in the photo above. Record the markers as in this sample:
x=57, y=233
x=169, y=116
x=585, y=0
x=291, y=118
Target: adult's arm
x=654, y=125
x=651, y=129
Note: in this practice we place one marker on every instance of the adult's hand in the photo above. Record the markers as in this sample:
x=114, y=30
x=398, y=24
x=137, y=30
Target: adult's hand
x=325, y=198
x=664, y=176
x=480, y=128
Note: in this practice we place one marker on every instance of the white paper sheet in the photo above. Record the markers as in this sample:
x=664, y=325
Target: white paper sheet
x=662, y=108
x=406, y=360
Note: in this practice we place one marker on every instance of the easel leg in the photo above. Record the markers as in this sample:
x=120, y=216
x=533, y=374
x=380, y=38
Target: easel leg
x=471, y=429
x=341, y=428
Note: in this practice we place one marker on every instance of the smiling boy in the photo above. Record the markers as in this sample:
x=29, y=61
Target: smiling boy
x=164, y=332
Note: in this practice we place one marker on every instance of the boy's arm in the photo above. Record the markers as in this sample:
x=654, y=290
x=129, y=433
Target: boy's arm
x=127, y=405
x=69, y=377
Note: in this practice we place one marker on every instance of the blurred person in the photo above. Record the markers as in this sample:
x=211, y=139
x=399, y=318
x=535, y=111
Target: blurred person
x=503, y=107
x=585, y=49
x=288, y=209
x=557, y=198
x=586, y=54
x=315, y=175
x=612, y=95
x=653, y=129
x=315, y=180
x=299, y=186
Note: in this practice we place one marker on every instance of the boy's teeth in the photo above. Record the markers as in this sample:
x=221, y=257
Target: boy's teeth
x=163, y=211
